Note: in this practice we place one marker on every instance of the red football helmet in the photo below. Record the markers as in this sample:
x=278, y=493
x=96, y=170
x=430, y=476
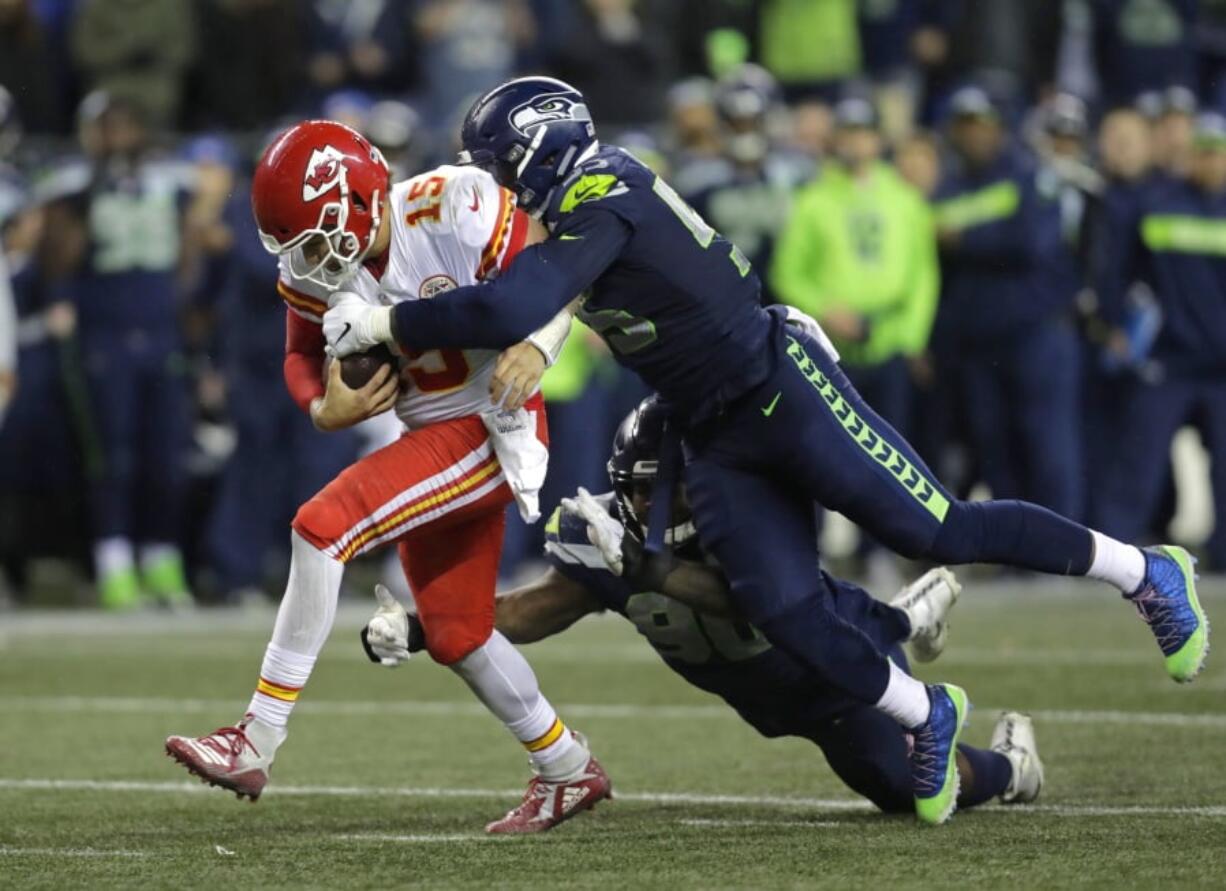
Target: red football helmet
x=323, y=183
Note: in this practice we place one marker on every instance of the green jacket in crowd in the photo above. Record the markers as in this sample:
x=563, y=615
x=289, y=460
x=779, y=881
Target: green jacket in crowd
x=866, y=246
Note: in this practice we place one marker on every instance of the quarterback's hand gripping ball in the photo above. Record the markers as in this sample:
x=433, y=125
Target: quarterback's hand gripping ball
x=351, y=325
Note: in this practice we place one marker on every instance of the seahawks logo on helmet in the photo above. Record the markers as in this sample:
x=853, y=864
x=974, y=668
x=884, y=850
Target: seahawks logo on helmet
x=547, y=108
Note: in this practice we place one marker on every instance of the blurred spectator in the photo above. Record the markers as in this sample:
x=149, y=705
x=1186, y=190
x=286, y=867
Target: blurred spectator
x=1068, y=178
x=811, y=46
x=119, y=249
x=811, y=128
x=27, y=69
x=918, y=159
x=1116, y=346
x=280, y=459
x=1010, y=46
x=887, y=28
x=694, y=143
x=8, y=340
x=618, y=61
x=396, y=130
x=749, y=195
x=1002, y=340
x=40, y=469
x=1178, y=250
x=859, y=255
x=467, y=47
x=137, y=50
x=1130, y=47
x=251, y=70
x=365, y=45
x=1172, y=113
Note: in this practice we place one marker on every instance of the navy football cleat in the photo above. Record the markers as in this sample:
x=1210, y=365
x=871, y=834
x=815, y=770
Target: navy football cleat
x=1167, y=603
x=934, y=768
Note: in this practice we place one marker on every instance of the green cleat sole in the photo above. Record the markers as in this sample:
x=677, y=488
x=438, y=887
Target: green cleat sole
x=1186, y=663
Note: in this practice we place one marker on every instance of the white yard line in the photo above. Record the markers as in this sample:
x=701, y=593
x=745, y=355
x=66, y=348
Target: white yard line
x=418, y=839
x=690, y=798
x=10, y=851
x=462, y=708
x=730, y=824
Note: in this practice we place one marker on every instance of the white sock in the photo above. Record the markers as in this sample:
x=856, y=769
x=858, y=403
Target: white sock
x=1117, y=563
x=112, y=555
x=283, y=674
x=905, y=699
x=503, y=680
x=304, y=620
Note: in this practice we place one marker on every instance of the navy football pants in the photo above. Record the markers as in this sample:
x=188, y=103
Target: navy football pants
x=140, y=406
x=805, y=435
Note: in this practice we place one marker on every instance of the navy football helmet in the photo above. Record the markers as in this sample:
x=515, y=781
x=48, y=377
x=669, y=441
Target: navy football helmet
x=633, y=467
x=528, y=133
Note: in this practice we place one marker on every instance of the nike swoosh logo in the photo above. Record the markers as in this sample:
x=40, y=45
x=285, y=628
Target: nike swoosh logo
x=476, y=205
x=349, y=325
x=770, y=409
x=570, y=238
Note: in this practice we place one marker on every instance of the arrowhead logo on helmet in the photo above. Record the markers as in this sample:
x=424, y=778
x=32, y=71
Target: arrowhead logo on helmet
x=324, y=172
x=543, y=109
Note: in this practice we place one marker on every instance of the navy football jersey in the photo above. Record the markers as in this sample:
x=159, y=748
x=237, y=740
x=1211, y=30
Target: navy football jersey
x=680, y=305
x=675, y=301
x=732, y=659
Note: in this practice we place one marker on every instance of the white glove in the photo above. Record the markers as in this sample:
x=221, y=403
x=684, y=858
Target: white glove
x=602, y=530
x=386, y=636
x=351, y=325
x=808, y=325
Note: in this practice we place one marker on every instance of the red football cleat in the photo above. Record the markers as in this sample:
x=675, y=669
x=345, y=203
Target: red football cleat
x=547, y=804
x=226, y=758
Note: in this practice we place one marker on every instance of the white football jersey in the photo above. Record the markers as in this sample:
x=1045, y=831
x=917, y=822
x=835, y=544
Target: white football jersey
x=451, y=226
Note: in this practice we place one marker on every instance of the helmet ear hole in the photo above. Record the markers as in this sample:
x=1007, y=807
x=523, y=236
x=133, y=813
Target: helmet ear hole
x=359, y=202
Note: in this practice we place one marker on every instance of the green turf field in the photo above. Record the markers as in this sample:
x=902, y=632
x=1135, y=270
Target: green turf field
x=389, y=776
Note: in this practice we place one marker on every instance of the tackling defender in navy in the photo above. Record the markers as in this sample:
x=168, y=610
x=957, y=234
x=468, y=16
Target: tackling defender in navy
x=693, y=628
x=769, y=421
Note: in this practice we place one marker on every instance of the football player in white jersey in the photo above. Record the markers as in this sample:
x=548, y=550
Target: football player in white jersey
x=475, y=439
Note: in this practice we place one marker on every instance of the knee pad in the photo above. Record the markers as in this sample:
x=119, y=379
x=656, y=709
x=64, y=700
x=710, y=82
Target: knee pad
x=321, y=521
x=449, y=641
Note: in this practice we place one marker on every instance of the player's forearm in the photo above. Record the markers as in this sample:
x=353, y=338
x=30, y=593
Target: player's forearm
x=542, y=608
x=700, y=587
x=304, y=360
x=551, y=337
x=486, y=316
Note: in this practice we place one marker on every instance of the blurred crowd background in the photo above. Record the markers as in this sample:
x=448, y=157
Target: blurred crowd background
x=1010, y=216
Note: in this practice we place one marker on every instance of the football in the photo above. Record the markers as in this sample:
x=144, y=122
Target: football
x=358, y=369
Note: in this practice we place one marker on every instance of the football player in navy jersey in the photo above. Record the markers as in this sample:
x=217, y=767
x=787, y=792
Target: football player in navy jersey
x=686, y=615
x=768, y=420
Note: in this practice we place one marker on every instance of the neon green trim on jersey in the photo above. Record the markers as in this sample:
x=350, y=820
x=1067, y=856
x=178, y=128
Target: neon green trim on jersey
x=590, y=187
x=554, y=526
x=1184, y=234
x=987, y=205
x=921, y=488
